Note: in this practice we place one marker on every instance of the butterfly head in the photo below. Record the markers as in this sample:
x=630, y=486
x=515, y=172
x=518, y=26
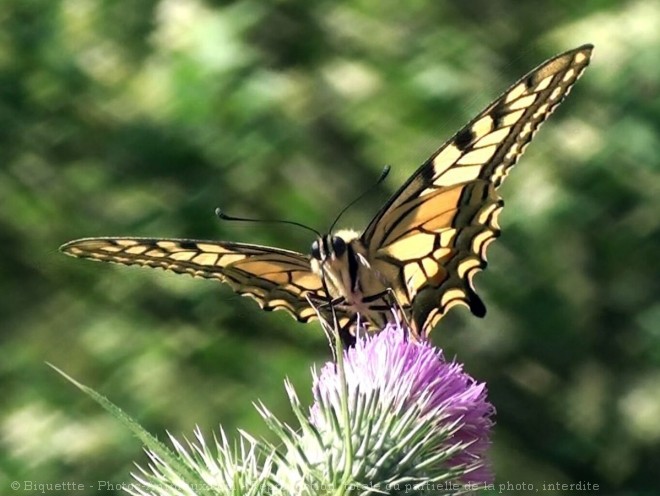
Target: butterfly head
x=332, y=250
x=334, y=257
x=328, y=248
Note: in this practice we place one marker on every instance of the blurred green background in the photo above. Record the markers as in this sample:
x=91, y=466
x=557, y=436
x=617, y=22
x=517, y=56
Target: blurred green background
x=139, y=118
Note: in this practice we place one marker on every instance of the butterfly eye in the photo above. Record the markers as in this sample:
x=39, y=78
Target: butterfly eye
x=316, y=252
x=338, y=246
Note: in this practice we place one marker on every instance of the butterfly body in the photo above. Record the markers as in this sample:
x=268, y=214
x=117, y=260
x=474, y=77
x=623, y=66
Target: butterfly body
x=421, y=251
x=345, y=264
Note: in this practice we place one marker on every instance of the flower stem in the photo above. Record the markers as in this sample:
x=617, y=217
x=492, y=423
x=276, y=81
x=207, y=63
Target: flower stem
x=348, y=448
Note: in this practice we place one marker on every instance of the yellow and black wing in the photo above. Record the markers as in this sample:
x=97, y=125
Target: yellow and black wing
x=276, y=278
x=432, y=234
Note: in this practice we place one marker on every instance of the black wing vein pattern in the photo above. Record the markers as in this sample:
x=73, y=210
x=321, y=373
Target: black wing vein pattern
x=275, y=278
x=436, y=228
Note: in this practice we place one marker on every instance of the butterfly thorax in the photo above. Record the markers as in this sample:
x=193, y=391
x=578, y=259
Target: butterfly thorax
x=342, y=262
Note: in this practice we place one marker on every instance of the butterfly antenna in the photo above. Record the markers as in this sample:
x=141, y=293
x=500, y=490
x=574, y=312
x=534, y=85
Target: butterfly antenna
x=223, y=216
x=381, y=178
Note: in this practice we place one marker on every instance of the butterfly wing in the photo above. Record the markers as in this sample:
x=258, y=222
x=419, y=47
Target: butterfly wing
x=277, y=279
x=430, y=238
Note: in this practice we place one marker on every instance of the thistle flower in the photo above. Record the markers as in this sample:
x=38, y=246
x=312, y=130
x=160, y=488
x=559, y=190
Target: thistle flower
x=390, y=417
x=417, y=422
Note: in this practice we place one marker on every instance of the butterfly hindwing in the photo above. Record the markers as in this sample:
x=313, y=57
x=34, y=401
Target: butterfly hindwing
x=276, y=278
x=433, y=233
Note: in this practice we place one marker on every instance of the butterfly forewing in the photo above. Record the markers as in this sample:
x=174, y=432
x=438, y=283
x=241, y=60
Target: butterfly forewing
x=277, y=279
x=436, y=228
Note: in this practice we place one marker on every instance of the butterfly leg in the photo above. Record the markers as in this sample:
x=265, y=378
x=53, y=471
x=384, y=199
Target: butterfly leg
x=347, y=331
x=399, y=313
x=343, y=325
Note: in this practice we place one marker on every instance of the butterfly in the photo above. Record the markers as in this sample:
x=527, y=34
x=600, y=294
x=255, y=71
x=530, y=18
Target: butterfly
x=420, y=252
